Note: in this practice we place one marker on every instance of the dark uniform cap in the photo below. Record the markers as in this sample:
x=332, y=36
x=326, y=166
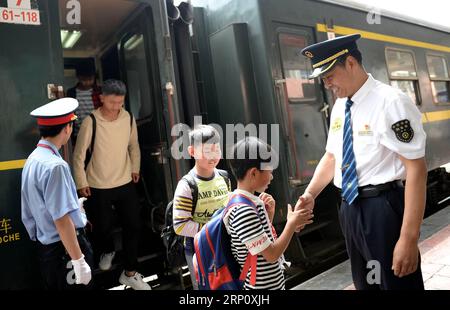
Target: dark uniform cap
x=57, y=112
x=324, y=55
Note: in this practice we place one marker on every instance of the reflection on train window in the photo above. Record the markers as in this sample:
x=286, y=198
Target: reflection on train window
x=296, y=68
x=402, y=72
x=407, y=87
x=137, y=77
x=440, y=79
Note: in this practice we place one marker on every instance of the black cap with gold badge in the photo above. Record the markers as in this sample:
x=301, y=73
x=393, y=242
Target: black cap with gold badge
x=324, y=55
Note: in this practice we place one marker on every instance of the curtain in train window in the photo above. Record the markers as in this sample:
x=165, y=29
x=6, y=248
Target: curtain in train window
x=440, y=79
x=403, y=73
x=296, y=68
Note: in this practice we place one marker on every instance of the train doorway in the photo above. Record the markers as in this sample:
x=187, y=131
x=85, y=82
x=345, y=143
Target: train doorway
x=300, y=101
x=304, y=121
x=117, y=38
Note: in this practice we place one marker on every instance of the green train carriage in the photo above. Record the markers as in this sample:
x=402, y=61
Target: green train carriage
x=237, y=63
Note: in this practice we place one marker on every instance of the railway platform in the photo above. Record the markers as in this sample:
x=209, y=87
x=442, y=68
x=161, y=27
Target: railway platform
x=434, y=248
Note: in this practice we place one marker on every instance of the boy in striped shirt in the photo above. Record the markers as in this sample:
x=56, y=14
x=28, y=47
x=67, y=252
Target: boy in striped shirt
x=250, y=227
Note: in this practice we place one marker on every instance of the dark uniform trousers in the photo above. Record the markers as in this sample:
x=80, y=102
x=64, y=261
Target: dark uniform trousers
x=101, y=214
x=56, y=267
x=371, y=227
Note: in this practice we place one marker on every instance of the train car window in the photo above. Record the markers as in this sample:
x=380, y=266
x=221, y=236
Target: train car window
x=440, y=79
x=296, y=68
x=137, y=77
x=408, y=87
x=403, y=73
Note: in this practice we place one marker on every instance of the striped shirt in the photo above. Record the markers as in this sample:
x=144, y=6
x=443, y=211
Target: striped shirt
x=251, y=231
x=212, y=195
x=86, y=106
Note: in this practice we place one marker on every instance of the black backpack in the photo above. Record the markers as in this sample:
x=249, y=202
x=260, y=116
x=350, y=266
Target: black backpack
x=175, y=243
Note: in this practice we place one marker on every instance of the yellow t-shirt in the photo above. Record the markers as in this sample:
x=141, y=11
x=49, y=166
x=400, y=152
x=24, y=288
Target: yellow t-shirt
x=212, y=195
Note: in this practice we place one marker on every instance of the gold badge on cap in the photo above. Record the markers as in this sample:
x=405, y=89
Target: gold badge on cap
x=309, y=54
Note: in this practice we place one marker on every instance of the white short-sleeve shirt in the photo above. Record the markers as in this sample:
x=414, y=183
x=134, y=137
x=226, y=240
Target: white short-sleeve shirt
x=385, y=123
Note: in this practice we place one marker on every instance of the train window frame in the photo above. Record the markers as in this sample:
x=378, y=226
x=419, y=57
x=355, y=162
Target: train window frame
x=285, y=31
x=441, y=80
x=414, y=80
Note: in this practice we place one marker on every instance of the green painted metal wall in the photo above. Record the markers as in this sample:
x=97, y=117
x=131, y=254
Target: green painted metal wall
x=30, y=57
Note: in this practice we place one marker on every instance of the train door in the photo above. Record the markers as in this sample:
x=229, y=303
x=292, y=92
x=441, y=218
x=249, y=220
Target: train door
x=118, y=38
x=301, y=103
x=304, y=119
x=139, y=70
x=29, y=65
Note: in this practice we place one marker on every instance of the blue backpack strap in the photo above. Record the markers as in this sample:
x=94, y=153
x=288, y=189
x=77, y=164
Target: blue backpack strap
x=238, y=199
x=251, y=260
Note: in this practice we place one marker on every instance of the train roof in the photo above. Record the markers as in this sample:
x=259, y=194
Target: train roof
x=386, y=13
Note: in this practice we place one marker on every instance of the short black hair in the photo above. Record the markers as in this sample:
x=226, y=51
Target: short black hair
x=354, y=53
x=52, y=131
x=247, y=154
x=114, y=87
x=204, y=134
x=85, y=69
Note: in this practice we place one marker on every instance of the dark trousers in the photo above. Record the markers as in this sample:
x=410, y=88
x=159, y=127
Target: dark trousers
x=371, y=227
x=101, y=214
x=56, y=267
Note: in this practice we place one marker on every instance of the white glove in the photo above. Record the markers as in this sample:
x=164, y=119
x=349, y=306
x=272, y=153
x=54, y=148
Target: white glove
x=83, y=212
x=82, y=271
x=81, y=203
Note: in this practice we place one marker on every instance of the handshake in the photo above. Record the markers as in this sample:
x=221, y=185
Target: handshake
x=302, y=213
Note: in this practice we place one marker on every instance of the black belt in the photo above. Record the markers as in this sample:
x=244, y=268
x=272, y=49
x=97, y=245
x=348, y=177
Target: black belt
x=369, y=191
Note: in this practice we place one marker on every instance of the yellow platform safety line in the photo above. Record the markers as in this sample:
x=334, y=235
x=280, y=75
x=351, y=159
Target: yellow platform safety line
x=382, y=37
x=429, y=117
x=12, y=164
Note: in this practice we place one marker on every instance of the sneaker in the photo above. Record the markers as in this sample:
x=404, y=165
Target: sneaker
x=136, y=282
x=106, y=260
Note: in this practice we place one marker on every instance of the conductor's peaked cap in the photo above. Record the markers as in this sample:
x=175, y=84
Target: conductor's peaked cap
x=324, y=55
x=57, y=112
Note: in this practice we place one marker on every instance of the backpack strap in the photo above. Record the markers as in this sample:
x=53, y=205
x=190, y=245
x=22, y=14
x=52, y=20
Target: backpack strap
x=94, y=129
x=238, y=199
x=251, y=260
x=131, y=119
x=224, y=174
x=189, y=178
x=91, y=146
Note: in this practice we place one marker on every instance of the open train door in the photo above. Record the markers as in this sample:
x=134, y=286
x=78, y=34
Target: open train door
x=304, y=118
x=139, y=70
x=30, y=62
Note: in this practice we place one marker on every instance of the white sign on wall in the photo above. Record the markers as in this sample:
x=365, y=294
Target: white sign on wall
x=19, y=12
x=19, y=4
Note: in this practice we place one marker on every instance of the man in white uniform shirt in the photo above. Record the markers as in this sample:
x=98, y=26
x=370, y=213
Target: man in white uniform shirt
x=376, y=140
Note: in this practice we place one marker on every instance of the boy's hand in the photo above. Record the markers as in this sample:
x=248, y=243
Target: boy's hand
x=269, y=203
x=84, y=192
x=135, y=177
x=299, y=218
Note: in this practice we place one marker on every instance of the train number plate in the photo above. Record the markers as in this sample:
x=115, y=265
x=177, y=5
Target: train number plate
x=19, y=16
